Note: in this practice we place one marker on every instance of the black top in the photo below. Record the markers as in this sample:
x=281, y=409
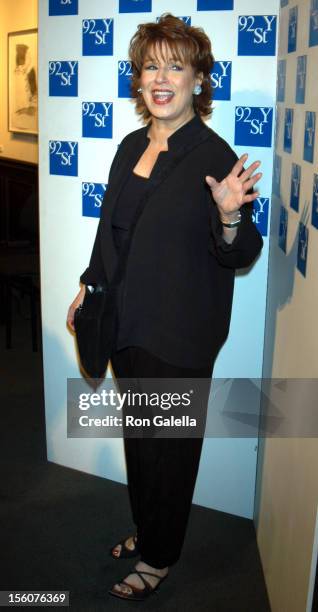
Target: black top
x=122, y=219
x=179, y=279
x=126, y=206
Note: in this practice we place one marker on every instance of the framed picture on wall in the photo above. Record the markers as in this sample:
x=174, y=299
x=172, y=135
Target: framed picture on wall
x=22, y=82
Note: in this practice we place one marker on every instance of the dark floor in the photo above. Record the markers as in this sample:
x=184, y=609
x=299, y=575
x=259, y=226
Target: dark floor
x=57, y=524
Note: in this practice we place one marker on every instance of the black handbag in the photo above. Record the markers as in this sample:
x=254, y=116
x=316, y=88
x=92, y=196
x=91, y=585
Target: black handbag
x=95, y=327
x=96, y=319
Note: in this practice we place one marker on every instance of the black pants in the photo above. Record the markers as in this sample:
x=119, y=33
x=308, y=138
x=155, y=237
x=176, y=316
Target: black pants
x=161, y=472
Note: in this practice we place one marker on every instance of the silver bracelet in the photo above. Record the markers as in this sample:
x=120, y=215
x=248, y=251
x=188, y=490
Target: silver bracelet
x=233, y=223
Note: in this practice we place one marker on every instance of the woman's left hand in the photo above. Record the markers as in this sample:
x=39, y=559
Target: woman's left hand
x=230, y=194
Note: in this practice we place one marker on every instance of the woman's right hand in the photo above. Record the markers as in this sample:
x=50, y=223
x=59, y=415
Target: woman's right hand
x=75, y=304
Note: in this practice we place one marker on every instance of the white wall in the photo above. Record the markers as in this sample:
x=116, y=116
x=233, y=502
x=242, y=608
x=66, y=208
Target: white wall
x=227, y=473
x=15, y=15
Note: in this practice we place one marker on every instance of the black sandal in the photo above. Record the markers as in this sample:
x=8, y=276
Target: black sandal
x=138, y=594
x=125, y=552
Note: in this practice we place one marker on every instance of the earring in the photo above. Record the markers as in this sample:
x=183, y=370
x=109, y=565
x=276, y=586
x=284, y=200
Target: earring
x=139, y=89
x=197, y=90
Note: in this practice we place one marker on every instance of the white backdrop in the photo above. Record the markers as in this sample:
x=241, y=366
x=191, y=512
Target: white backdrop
x=83, y=74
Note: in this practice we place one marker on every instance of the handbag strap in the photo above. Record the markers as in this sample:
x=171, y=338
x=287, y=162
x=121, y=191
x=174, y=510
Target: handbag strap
x=174, y=160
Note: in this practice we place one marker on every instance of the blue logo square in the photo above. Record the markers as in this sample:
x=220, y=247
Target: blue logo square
x=309, y=136
x=257, y=34
x=313, y=24
x=260, y=214
x=292, y=29
x=281, y=80
x=98, y=36
x=63, y=7
x=295, y=186
x=97, y=119
x=277, y=174
x=221, y=78
x=63, y=78
x=124, y=78
x=186, y=19
x=135, y=6
x=303, y=235
x=301, y=79
x=314, y=212
x=92, y=198
x=283, y=225
x=215, y=5
x=63, y=157
x=253, y=126
x=288, y=130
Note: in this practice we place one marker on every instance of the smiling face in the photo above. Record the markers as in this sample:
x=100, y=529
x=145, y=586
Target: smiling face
x=167, y=85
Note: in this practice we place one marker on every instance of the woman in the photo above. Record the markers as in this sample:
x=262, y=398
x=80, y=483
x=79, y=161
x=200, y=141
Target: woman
x=175, y=301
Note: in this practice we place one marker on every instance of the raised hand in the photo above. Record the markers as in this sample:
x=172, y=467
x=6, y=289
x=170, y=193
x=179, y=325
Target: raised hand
x=230, y=194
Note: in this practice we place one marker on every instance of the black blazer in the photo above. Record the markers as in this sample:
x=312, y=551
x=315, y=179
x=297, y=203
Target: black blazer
x=180, y=272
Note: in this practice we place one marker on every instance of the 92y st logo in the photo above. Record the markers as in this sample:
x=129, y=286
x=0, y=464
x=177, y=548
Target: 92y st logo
x=97, y=119
x=257, y=34
x=98, y=36
x=63, y=157
x=63, y=78
x=253, y=126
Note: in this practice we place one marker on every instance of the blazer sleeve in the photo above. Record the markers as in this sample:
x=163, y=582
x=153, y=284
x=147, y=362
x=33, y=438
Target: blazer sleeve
x=95, y=272
x=248, y=241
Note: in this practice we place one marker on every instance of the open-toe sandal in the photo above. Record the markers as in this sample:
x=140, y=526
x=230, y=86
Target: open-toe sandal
x=125, y=552
x=138, y=594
